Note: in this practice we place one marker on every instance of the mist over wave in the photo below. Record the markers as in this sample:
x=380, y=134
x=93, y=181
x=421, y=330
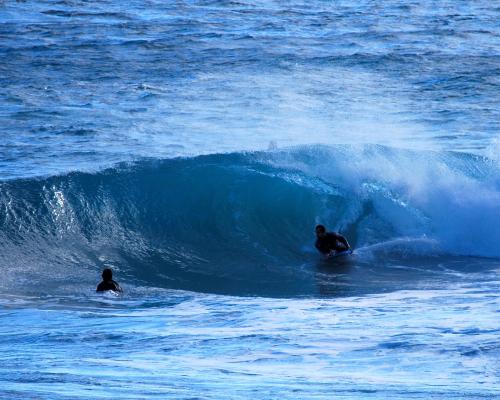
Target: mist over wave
x=243, y=223
x=90, y=84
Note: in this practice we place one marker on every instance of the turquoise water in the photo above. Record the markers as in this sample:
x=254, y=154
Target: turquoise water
x=193, y=146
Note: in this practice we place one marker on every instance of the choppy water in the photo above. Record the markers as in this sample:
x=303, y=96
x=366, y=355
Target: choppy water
x=192, y=147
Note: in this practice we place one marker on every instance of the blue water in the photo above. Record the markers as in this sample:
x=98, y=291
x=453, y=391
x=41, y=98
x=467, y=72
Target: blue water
x=192, y=147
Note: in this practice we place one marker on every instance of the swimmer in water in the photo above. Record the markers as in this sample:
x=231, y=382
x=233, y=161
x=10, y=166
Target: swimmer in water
x=108, y=283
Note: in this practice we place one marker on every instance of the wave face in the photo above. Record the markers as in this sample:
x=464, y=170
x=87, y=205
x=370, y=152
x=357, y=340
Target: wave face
x=243, y=223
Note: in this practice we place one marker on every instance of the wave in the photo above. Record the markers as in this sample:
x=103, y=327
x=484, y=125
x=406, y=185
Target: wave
x=243, y=223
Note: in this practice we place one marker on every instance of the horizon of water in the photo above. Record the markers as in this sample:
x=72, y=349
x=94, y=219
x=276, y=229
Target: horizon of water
x=192, y=147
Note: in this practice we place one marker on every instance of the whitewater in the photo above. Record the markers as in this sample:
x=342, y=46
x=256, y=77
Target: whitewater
x=193, y=146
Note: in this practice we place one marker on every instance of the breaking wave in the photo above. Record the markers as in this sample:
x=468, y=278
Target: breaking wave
x=243, y=223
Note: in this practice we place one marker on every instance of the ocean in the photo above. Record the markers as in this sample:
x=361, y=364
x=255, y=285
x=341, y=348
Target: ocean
x=192, y=147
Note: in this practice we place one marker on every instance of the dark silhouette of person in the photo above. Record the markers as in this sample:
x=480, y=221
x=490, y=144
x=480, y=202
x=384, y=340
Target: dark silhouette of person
x=330, y=243
x=108, y=283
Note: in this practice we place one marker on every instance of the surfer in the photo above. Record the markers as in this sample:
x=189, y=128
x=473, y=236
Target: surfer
x=108, y=283
x=330, y=243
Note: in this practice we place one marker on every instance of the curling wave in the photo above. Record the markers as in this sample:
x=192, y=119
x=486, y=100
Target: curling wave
x=243, y=223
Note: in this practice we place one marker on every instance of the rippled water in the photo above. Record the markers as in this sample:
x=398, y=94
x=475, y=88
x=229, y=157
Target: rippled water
x=160, y=79
x=411, y=344
x=192, y=147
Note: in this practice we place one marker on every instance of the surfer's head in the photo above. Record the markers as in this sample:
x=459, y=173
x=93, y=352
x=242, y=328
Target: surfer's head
x=320, y=230
x=107, y=274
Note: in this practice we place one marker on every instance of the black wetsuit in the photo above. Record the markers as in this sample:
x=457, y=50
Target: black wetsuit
x=108, y=285
x=331, y=242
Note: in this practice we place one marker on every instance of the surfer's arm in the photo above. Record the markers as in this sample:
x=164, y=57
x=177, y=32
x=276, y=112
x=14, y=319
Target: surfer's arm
x=117, y=287
x=344, y=241
x=321, y=248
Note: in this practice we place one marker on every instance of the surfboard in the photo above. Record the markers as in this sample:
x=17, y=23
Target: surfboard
x=340, y=254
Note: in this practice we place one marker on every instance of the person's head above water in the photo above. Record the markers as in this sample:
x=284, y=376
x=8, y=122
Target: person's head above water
x=107, y=275
x=108, y=283
x=320, y=230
